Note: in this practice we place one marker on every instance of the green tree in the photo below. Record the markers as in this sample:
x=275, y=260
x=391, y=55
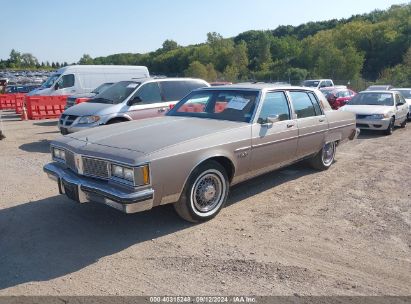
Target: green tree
x=211, y=73
x=169, y=45
x=196, y=69
x=85, y=60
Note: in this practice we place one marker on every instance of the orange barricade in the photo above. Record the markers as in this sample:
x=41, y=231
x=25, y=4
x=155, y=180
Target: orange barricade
x=45, y=107
x=19, y=102
x=7, y=102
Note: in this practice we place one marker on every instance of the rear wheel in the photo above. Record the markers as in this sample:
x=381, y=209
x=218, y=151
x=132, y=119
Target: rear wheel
x=390, y=128
x=325, y=158
x=205, y=193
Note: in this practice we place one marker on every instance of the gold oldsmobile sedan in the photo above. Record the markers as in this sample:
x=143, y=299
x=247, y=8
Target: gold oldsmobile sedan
x=212, y=139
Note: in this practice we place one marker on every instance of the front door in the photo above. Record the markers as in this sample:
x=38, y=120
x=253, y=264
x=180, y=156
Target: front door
x=274, y=144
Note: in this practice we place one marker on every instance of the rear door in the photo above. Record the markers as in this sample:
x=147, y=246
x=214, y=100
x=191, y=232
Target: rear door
x=274, y=144
x=311, y=121
x=402, y=108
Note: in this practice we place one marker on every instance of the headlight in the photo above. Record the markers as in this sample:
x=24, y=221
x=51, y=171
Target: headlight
x=59, y=154
x=89, y=119
x=138, y=176
x=377, y=116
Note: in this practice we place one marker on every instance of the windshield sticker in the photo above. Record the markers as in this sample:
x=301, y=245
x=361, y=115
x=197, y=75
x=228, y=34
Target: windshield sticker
x=385, y=96
x=132, y=85
x=237, y=103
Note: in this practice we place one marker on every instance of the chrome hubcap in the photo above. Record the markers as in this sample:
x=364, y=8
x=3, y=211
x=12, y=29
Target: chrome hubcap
x=328, y=153
x=207, y=192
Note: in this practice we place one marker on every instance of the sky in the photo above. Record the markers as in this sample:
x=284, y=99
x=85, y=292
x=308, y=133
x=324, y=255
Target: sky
x=65, y=30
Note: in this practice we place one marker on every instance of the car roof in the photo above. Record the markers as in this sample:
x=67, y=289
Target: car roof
x=259, y=86
x=146, y=79
x=379, y=91
x=400, y=89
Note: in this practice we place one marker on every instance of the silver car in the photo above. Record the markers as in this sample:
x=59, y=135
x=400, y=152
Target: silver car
x=128, y=100
x=212, y=139
x=379, y=110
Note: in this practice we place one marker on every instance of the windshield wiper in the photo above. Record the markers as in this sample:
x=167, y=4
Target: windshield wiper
x=103, y=100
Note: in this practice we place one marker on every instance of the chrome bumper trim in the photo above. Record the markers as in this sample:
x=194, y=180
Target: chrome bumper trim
x=90, y=190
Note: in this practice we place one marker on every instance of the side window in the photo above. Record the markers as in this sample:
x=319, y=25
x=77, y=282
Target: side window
x=174, y=90
x=303, y=106
x=149, y=93
x=314, y=101
x=67, y=81
x=275, y=103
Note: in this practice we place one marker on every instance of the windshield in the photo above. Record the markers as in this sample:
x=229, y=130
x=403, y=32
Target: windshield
x=101, y=88
x=233, y=105
x=116, y=93
x=377, y=99
x=50, y=81
x=310, y=83
x=405, y=93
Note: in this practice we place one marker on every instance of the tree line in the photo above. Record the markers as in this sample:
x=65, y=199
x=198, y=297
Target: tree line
x=374, y=46
x=20, y=61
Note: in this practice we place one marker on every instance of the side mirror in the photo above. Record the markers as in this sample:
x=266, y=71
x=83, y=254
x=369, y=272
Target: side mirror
x=134, y=101
x=56, y=86
x=273, y=118
x=270, y=120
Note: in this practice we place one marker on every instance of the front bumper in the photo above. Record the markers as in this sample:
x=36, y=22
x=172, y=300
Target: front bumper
x=75, y=127
x=83, y=189
x=373, y=124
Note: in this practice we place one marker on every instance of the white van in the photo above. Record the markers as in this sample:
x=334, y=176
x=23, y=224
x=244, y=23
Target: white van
x=77, y=79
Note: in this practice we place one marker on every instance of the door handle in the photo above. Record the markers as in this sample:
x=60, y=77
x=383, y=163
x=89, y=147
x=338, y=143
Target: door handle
x=321, y=119
x=161, y=110
x=290, y=125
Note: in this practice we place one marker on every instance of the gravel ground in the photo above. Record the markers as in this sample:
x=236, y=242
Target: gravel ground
x=345, y=231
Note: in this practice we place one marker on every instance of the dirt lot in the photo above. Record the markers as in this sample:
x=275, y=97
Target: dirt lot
x=341, y=232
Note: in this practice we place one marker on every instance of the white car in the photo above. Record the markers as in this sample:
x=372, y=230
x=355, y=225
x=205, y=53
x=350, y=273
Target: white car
x=406, y=93
x=379, y=110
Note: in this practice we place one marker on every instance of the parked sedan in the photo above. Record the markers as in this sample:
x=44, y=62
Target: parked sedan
x=379, y=110
x=212, y=139
x=406, y=93
x=338, y=97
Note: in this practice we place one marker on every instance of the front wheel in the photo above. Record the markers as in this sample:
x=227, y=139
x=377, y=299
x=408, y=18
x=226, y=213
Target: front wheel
x=390, y=128
x=404, y=123
x=325, y=158
x=205, y=193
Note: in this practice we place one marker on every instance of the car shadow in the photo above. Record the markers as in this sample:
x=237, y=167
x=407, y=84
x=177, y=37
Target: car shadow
x=53, y=237
x=47, y=123
x=370, y=134
x=42, y=146
x=267, y=181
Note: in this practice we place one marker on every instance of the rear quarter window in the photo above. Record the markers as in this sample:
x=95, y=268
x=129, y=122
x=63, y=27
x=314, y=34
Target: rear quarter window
x=176, y=90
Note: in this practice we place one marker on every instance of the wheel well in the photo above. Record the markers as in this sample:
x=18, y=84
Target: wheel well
x=122, y=119
x=227, y=165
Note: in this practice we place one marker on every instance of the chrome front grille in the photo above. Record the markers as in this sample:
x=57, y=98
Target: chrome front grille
x=67, y=120
x=95, y=167
x=70, y=162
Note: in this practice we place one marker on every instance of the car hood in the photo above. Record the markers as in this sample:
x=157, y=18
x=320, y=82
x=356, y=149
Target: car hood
x=366, y=109
x=88, y=108
x=149, y=135
x=39, y=91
